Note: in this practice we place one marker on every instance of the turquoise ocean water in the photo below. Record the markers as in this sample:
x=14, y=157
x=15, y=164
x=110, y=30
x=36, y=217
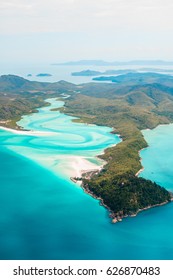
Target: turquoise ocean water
x=44, y=215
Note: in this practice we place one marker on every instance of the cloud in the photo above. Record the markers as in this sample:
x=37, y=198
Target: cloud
x=31, y=16
x=121, y=27
x=11, y=6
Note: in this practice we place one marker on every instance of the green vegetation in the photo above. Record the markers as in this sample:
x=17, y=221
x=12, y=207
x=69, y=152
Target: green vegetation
x=126, y=195
x=135, y=102
x=11, y=109
x=128, y=109
x=136, y=78
x=19, y=96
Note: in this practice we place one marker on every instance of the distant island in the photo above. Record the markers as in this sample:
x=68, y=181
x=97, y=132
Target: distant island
x=156, y=70
x=86, y=73
x=107, y=72
x=105, y=79
x=92, y=73
x=44, y=75
x=115, y=63
x=130, y=77
x=84, y=62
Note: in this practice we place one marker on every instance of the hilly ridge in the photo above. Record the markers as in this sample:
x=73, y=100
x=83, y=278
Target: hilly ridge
x=19, y=96
x=13, y=83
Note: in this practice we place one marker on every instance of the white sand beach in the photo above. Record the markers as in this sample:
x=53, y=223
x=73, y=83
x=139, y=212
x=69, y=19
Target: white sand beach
x=28, y=132
x=78, y=165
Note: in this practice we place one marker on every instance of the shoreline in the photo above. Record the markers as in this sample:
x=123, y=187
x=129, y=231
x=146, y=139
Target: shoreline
x=140, y=160
x=27, y=132
x=118, y=217
x=159, y=125
x=92, y=168
x=140, y=170
x=78, y=165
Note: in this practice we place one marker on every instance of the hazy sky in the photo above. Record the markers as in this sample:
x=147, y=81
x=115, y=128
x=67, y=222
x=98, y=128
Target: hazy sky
x=62, y=30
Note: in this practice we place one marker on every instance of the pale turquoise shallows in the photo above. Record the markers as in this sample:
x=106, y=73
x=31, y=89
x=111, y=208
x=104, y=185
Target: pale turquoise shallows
x=46, y=216
x=158, y=157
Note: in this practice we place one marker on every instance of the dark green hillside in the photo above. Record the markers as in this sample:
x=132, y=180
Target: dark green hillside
x=127, y=195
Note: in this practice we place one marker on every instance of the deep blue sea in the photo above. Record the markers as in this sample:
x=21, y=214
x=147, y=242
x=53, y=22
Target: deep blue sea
x=44, y=215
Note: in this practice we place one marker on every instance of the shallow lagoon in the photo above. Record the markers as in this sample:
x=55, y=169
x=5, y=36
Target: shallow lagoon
x=46, y=216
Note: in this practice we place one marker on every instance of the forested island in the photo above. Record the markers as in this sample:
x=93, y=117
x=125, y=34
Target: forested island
x=135, y=102
x=117, y=72
x=130, y=77
x=107, y=72
x=44, y=75
x=86, y=73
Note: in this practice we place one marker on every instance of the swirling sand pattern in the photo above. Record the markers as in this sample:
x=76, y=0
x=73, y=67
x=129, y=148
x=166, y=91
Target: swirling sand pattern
x=57, y=143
